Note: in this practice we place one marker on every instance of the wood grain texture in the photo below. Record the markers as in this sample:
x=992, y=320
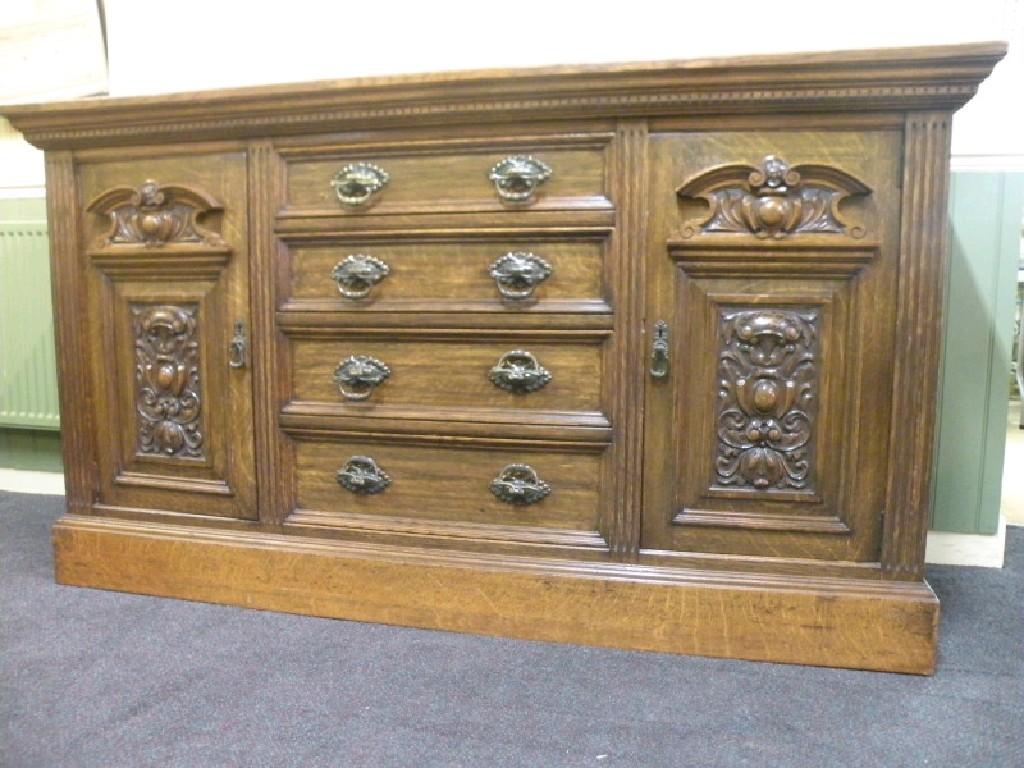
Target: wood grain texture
x=923, y=265
x=262, y=179
x=440, y=426
x=625, y=381
x=442, y=274
x=438, y=181
x=450, y=484
x=466, y=224
x=847, y=283
x=937, y=78
x=830, y=622
x=429, y=373
x=77, y=432
x=569, y=318
x=208, y=277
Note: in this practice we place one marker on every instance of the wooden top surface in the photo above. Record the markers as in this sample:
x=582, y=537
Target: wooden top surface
x=932, y=77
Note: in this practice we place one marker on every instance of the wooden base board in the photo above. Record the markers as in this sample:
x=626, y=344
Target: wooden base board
x=887, y=626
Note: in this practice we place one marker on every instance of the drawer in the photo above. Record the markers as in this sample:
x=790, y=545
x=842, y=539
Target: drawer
x=443, y=178
x=554, y=489
x=451, y=374
x=512, y=273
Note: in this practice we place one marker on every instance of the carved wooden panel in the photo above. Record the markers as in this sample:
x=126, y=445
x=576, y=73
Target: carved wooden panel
x=168, y=280
x=167, y=370
x=773, y=201
x=776, y=284
x=154, y=215
x=768, y=378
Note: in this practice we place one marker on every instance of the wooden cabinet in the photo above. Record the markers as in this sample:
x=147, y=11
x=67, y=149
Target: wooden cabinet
x=641, y=356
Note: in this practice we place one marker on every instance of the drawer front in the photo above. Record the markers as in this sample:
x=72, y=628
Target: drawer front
x=514, y=273
x=555, y=376
x=444, y=179
x=450, y=484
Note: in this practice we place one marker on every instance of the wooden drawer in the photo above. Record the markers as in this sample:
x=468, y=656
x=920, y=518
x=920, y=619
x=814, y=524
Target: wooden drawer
x=455, y=374
x=445, y=177
x=446, y=484
x=448, y=273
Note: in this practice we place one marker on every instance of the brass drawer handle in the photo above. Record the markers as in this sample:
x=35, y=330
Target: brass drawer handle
x=519, y=484
x=357, y=274
x=517, y=273
x=356, y=376
x=519, y=371
x=362, y=475
x=517, y=177
x=358, y=182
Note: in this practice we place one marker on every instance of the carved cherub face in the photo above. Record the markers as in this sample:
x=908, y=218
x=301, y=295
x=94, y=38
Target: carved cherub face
x=150, y=195
x=775, y=170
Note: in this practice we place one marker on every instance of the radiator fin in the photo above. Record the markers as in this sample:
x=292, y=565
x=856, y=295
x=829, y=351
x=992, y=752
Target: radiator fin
x=28, y=367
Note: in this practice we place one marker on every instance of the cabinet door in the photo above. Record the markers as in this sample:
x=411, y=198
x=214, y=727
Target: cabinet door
x=772, y=268
x=165, y=246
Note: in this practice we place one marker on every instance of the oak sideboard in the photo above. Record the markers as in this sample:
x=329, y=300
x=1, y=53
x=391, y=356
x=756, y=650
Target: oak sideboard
x=638, y=355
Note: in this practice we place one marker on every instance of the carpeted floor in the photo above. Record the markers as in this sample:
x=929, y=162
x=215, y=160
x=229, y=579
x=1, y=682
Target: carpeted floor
x=90, y=678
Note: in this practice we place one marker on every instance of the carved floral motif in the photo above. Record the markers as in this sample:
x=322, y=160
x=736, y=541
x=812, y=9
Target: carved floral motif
x=767, y=399
x=154, y=215
x=167, y=380
x=772, y=201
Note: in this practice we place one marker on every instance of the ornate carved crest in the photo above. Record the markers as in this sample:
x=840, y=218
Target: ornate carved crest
x=167, y=380
x=155, y=215
x=772, y=201
x=767, y=399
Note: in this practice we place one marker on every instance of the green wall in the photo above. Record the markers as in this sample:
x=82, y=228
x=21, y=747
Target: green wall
x=30, y=449
x=985, y=221
x=23, y=209
x=26, y=448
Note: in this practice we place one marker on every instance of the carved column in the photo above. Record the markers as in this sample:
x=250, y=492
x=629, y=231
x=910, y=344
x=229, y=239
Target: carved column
x=76, y=409
x=627, y=263
x=273, y=496
x=922, y=272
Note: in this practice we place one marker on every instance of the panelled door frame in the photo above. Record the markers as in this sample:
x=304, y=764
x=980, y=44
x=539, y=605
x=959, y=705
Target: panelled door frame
x=167, y=295
x=709, y=253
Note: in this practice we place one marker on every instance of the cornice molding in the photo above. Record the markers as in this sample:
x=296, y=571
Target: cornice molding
x=896, y=79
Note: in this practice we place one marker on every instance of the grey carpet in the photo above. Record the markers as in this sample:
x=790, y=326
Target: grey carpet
x=93, y=678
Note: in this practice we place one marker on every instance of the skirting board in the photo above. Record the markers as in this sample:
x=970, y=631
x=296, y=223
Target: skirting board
x=26, y=481
x=985, y=550
x=888, y=626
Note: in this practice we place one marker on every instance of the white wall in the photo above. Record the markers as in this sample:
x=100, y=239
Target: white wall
x=49, y=49
x=200, y=44
x=232, y=44
x=988, y=133
x=21, y=165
